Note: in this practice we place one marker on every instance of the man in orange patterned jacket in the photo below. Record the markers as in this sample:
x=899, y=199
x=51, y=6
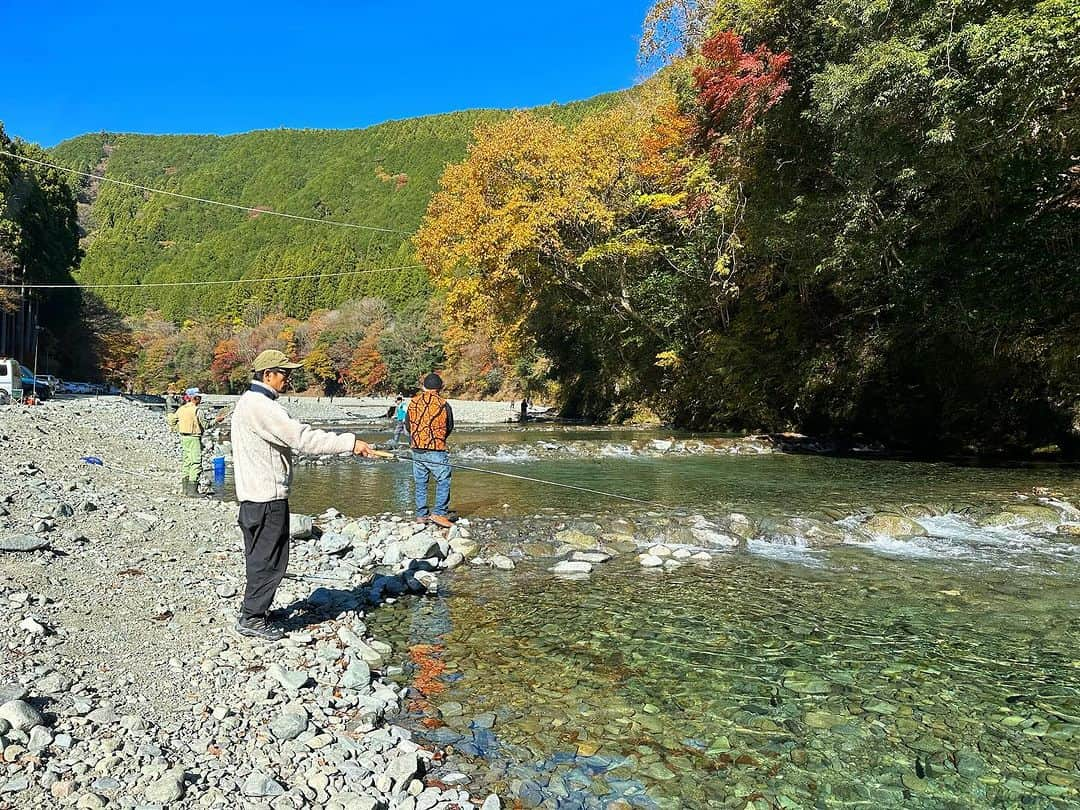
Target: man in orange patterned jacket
x=429, y=420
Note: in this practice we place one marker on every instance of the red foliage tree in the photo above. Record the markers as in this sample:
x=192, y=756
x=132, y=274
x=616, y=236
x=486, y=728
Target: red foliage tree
x=226, y=360
x=736, y=86
x=367, y=371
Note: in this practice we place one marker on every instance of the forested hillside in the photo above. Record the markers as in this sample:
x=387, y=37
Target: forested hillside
x=38, y=245
x=844, y=218
x=381, y=177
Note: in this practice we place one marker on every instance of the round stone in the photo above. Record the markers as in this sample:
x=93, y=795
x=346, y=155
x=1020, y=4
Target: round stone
x=21, y=715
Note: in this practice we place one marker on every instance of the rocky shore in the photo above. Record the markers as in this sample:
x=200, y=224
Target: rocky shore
x=122, y=683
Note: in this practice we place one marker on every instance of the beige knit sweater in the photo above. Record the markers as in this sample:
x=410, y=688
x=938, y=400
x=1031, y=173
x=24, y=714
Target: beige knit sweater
x=263, y=438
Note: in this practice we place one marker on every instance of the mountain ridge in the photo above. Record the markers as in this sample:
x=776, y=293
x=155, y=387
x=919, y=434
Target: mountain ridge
x=380, y=176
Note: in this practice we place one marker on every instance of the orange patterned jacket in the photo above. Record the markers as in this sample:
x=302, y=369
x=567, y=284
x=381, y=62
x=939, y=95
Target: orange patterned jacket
x=429, y=420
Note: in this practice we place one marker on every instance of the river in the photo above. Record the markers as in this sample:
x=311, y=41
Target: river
x=937, y=670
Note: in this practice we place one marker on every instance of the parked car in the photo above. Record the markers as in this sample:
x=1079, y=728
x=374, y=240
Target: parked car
x=41, y=390
x=53, y=382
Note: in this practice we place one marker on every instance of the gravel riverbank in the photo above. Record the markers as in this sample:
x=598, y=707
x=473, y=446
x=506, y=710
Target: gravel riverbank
x=122, y=683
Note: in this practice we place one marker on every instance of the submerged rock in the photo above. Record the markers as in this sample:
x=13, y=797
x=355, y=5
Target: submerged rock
x=708, y=534
x=576, y=539
x=591, y=556
x=892, y=525
x=571, y=567
x=740, y=525
x=1034, y=513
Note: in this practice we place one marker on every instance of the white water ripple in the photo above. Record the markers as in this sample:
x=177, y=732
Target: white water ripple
x=959, y=537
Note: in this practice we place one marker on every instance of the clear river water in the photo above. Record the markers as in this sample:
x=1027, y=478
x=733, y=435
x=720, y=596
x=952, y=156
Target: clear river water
x=936, y=670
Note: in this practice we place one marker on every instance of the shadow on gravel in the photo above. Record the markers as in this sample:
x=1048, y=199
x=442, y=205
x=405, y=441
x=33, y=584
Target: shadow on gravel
x=325, y=604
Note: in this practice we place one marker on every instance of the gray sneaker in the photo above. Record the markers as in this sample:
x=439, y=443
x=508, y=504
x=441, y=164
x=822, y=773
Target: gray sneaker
x=257, y=627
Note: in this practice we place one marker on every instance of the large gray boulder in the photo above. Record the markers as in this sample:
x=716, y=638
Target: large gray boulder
x=21, y=715
x=300, y=526
x=421, y=547
x=167, y=789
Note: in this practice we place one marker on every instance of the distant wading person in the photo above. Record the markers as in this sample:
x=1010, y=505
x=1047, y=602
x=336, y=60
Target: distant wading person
x=429, y=421
x=400, y=413
x=263, y=438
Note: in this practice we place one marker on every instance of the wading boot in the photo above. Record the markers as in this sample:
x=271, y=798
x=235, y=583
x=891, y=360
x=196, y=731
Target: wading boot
x=258, y=627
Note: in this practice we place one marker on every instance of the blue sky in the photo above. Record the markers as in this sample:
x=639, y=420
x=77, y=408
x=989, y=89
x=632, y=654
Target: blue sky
x=72, y=68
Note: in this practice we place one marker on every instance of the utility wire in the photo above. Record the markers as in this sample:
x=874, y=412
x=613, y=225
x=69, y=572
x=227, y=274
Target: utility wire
x=206, y=283
x=259, y=211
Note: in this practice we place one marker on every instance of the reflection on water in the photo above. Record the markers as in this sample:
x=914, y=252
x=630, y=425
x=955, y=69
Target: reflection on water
x=861, y=679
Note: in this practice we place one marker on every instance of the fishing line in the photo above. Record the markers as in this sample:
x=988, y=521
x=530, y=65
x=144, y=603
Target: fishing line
x=249, y=209
x=394, y=456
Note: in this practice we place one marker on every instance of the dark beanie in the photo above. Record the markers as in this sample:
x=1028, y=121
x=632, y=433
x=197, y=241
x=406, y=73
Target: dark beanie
x=433, y=382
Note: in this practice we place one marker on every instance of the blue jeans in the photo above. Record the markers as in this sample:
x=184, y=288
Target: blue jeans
x=431, y=464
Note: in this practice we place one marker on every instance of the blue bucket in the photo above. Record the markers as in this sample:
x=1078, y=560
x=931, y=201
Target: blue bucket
x=219, y=469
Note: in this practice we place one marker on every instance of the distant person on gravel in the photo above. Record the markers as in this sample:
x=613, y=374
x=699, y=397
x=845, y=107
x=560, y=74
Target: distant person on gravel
x=263, y=438
x=429, y=421
x=190, y=428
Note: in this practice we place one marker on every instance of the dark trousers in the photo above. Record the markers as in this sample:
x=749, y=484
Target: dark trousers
x=266, y=552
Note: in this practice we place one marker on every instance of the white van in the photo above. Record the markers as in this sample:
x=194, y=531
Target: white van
x=11, y=386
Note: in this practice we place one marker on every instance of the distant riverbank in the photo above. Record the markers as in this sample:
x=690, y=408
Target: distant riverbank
x=352, y=409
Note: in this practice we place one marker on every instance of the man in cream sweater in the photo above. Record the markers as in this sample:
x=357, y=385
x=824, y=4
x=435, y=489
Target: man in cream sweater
x=263, y=438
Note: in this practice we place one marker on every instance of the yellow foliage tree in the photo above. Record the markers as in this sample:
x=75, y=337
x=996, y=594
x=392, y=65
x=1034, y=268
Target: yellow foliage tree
x=319, y=366
x=534, y=208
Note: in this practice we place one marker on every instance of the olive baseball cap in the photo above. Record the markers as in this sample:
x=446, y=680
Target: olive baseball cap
x=272, y=358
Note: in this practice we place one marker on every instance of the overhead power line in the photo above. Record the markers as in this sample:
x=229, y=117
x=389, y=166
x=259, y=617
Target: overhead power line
x=250, y=209
x=206, y=283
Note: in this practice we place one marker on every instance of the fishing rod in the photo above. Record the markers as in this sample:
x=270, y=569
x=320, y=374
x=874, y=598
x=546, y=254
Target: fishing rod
x=397, y=457
x=318, y=579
